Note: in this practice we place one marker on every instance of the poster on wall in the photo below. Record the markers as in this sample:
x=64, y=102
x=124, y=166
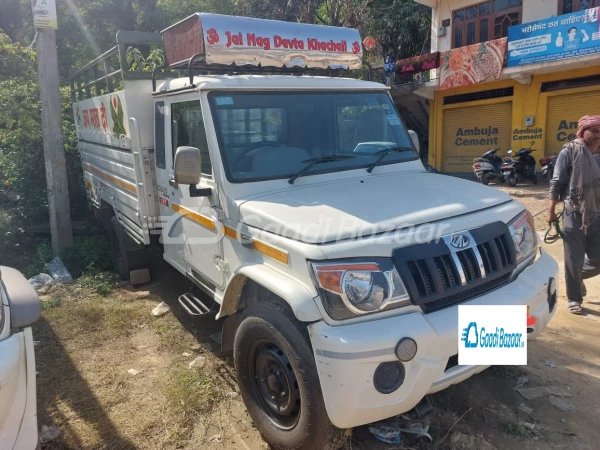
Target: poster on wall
x=472, y=64
x=44, y=14
x=566, y=36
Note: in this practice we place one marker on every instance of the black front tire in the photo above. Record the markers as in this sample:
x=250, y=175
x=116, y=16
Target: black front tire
x=272, y=353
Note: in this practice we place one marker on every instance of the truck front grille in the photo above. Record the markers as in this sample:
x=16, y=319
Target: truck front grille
x=437, y=275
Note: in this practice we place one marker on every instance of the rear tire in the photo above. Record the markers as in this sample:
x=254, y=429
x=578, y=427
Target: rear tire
x=484, y=180
x=278, y=379
x=124, y=260
x=535, y=179
x=512, y=180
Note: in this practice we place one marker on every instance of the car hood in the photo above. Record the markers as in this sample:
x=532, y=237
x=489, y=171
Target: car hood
x=359, y=207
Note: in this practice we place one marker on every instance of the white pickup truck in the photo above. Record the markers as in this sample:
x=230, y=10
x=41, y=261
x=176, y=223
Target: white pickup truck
x=295, y=200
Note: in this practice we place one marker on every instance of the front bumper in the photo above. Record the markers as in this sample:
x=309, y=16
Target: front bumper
x=348, y=355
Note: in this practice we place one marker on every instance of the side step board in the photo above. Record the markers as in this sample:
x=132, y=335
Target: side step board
x=194, y=306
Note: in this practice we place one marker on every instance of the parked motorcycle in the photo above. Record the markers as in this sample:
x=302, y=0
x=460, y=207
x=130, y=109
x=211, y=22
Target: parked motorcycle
x=548, y=163
x=520, y=169
x=487, y=167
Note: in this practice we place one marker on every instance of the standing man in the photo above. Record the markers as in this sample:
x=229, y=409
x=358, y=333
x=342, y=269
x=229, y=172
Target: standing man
x=576, y=182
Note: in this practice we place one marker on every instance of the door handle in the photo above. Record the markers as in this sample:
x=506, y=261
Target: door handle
x=172, y=182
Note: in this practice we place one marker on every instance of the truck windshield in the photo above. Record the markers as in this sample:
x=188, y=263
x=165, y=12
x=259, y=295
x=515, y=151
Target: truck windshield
x=267, y=136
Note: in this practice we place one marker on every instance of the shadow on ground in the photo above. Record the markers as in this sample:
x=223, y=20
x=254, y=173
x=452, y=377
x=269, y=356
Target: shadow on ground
x=64, y=383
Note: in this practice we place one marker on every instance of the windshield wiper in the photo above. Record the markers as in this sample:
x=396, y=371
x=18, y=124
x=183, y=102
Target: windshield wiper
x=383, y=153
x=314, y=161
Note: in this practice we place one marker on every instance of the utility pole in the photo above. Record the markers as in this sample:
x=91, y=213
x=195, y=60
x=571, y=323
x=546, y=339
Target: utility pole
x=54, y=151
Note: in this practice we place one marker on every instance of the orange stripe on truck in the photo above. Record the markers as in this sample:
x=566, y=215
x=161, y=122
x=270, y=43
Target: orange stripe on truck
x=206, y=222
x=114, y=180
x=231, y=233
x=271, y=252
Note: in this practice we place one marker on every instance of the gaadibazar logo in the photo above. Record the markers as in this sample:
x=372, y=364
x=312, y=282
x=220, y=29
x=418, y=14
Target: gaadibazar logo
x=492, y=335
x=498, y=338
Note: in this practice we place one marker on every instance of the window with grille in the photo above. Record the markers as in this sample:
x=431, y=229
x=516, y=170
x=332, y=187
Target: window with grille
x=570, y=6
x=485, y=21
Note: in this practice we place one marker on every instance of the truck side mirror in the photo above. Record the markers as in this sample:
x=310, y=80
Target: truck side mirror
x=187, y=165
x=187, y=168
x=415, y=139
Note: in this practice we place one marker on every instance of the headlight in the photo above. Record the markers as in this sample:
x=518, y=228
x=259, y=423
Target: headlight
x=355, y=288
x=524, y=235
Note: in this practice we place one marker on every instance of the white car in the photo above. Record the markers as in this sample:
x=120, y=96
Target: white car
x=20, y=308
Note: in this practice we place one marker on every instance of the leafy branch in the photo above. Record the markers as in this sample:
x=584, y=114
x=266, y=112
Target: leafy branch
x=136, y=61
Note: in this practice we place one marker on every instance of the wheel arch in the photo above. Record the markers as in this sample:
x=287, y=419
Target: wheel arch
x=253, y=283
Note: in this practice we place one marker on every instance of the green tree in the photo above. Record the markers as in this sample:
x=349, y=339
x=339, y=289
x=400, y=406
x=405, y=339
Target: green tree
x=22, y=170
x=14, y=18
x=401, y=27
x=88, y=28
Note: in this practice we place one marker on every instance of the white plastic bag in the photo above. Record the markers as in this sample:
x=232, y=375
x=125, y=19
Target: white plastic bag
x=41, y=280
x=58, y=271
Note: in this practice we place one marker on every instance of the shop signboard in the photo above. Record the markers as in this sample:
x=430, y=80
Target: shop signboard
x=44, y=14
x=566, y=36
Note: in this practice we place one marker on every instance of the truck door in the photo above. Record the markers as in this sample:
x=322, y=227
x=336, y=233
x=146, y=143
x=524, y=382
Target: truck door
x=189, y=233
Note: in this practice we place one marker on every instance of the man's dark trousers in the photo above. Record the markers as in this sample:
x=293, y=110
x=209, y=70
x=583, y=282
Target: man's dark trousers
x=577, y=245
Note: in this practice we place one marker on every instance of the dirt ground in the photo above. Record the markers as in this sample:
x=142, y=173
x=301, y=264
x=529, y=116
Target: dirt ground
x=88, y=343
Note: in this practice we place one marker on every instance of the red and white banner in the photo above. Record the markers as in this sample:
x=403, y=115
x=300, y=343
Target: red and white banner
x=247, y=41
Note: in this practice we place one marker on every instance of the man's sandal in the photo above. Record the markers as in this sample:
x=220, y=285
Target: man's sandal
x=575, y=308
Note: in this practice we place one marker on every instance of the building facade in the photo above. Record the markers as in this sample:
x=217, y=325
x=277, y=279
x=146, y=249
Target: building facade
x=511, y=74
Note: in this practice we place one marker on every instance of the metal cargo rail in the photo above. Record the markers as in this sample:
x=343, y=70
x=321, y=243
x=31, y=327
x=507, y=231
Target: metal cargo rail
x=112, y=106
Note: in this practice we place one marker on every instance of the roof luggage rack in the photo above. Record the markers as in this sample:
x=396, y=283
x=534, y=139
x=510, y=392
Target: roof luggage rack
x=197, y=66
x=213, y=44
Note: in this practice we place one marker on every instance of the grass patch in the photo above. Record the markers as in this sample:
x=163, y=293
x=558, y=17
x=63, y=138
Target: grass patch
x=17, y=249
x=191, y=392
x=100, y=282
x=95, y=317
x=513, y=428
x=50, y=301
x=88, y=253
x=29, y=253
x=87, y=345
x=170, y=333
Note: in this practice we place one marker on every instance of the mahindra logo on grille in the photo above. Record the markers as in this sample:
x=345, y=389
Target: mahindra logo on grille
x=460, y=241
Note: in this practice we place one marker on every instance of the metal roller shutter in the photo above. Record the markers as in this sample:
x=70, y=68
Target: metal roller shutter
x=564, y=111
x=470, y=131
